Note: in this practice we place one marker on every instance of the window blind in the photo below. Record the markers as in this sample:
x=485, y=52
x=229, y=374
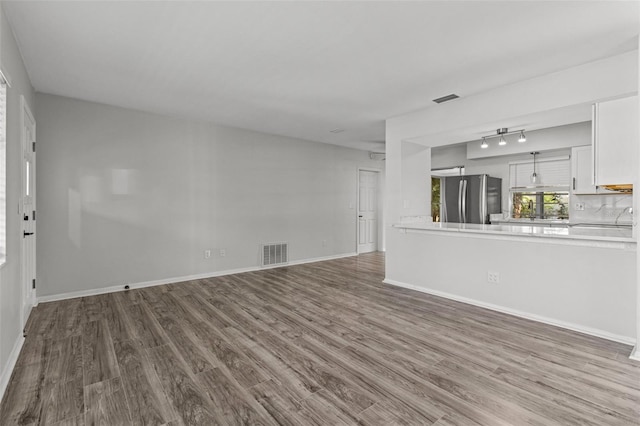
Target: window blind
x=551, y=172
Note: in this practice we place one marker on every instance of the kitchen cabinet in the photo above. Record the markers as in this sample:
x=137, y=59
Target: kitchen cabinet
x=582, y=170
x=615, y=141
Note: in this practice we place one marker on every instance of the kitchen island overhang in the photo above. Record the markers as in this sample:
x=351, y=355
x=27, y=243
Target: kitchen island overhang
x=614, y=237
x=583, y=280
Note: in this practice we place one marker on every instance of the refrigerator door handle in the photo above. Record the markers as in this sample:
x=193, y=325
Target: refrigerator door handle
x=483, y=199
x=460, y=184
x=464, y=201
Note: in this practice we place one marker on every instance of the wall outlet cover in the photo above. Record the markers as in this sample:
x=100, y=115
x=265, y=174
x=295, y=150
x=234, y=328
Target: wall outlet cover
x=493, y=277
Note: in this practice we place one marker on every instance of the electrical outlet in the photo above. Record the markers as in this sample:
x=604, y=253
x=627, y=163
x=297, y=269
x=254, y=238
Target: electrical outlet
x=579, y=206
x=207, y=254
x=223, y=252
x=493, y=277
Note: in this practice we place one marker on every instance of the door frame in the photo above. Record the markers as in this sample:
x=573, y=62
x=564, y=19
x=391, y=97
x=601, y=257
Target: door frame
x=378, y=206
x=28, y=293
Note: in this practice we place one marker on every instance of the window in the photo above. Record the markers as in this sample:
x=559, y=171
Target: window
x=540, y=205
x=435, y=199
x=436, y=174
x=546, y=199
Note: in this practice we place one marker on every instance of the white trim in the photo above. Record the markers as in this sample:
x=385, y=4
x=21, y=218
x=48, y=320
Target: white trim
x=10, y=365
x=112, y=289
x=538, y=318
x=27, y=314
x=635, y=353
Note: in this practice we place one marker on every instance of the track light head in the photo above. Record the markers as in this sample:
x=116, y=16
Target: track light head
x=522, y=137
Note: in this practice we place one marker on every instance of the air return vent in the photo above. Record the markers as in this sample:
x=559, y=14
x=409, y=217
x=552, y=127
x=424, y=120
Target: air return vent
x=275, y=254
x=446, y=98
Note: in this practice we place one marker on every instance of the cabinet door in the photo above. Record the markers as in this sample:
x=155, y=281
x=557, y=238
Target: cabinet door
x=582, y=170
x=615, y=141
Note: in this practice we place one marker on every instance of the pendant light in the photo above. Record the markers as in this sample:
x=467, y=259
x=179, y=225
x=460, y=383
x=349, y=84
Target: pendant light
x=502, y=141
x=534, y=176
x=484, y=144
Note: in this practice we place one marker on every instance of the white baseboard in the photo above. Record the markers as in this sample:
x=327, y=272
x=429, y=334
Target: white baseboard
x=112, y=289
x=635, y=354
x=546, y=320
x=10, y=365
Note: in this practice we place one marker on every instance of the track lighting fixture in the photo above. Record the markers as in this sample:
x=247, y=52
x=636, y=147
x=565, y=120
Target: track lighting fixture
x=501, y=133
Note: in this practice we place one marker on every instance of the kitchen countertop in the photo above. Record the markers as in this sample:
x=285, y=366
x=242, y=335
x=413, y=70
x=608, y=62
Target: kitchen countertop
x=541, y=222
x=535, y=230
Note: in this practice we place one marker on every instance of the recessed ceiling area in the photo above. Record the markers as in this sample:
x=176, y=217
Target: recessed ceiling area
x=304, y=69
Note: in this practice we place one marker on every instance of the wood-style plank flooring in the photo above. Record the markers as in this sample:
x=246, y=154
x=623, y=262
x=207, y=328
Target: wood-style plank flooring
x=318, y=344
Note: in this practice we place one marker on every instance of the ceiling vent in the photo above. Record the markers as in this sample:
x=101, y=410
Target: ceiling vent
x=275, y=254
x=446, y=98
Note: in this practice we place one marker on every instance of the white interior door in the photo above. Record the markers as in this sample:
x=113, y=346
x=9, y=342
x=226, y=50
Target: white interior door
x=367, y=211
x=28, y=211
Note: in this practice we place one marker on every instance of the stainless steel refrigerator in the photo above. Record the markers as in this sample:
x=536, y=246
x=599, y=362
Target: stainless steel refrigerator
x=470, y=199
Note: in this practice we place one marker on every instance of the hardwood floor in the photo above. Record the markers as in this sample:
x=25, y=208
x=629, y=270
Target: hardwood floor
x=318, y=344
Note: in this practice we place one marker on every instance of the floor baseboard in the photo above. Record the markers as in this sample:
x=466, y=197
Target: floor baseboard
x=545, y=320
x=10, y=365
x=112, y=289
x=635, y=354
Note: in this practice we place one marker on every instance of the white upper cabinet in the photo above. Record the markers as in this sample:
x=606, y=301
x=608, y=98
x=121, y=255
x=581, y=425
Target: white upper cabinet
x=582, y=171
x=615, y=141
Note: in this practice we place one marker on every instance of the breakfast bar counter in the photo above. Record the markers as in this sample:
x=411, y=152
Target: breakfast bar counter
x=581, y=234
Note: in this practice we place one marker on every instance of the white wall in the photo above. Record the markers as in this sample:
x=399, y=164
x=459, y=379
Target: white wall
x=10, y=287
x=130, y=197
x=591, y=289
x=522, y=101
x=439, y=125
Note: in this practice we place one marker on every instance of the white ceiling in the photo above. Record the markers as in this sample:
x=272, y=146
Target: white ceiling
x=301, y=69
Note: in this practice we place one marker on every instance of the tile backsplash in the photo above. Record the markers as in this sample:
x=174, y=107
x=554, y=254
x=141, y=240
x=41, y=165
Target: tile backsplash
x=601, y=208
